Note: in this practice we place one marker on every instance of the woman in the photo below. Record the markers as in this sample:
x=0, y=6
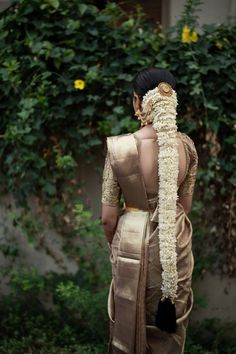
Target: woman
x=150, y=240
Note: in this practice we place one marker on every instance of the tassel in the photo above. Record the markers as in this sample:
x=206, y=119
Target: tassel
x=166, y=316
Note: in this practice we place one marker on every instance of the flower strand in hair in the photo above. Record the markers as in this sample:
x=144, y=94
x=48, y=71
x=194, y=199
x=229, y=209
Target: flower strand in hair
x=160, y=105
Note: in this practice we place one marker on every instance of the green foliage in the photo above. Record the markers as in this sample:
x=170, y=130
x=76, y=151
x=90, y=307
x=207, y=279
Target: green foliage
x=26, y=280
x=27, y=326
x=46, y=123
x=212, y=336
x=189, y=15
x=60, y=311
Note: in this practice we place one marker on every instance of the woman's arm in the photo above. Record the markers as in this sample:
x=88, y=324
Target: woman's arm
x=186, y=201
x=111, y=193
x=110, y=216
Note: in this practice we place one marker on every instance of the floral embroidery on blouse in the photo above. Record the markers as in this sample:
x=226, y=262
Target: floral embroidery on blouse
x=111, y=190
x=187, y=186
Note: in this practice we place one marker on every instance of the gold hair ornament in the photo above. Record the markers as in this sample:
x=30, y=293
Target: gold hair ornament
x=145, y=116
x=164, y=89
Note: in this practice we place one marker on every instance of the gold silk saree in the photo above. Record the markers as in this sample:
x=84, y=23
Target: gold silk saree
x=135, y=287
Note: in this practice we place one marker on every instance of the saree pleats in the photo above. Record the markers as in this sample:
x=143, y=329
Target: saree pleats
x=129, y=248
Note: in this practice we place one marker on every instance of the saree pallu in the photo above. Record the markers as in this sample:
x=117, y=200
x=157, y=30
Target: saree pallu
x=135, y=288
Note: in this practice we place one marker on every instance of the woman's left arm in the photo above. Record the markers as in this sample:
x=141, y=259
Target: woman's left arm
x=109, y=220
x=111, y=193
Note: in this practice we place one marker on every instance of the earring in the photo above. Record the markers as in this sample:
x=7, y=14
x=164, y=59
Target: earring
x=138, y=113
x=145, y=119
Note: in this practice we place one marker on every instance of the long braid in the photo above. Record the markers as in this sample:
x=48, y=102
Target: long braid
x=159, y=107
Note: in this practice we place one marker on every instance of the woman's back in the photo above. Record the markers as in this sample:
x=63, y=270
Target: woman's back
x=148, y=157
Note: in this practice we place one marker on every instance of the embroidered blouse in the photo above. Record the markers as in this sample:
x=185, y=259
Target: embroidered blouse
x=187, y=186
x=111, y=190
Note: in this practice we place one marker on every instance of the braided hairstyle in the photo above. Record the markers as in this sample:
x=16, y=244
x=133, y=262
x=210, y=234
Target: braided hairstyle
x=155, y=87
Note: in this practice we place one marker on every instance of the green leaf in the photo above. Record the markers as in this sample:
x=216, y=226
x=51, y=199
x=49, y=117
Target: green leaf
x=50, y=3
x=88, y=111
x=54, y=3
x=82, y=8
x=211, y=106
x=49, y=188
x=118, y=110
x=232, y=180
x=57, y=63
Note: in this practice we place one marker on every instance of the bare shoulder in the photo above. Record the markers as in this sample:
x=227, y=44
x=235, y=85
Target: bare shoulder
x=147, y=132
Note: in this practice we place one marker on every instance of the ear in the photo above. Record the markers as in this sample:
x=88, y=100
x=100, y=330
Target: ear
x=136, y=101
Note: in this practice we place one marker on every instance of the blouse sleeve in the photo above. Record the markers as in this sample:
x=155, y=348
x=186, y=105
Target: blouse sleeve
x=111, y=190
x=187, y=186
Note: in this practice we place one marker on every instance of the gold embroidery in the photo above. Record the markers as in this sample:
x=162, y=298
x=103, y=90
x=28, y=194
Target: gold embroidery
x=111, y=190
x=187, y=186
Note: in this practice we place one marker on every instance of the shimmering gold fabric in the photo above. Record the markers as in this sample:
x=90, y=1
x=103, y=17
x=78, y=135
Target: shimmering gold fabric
x=136, y=270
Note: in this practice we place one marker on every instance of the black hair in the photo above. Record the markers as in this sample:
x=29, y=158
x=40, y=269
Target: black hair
x=149, y=78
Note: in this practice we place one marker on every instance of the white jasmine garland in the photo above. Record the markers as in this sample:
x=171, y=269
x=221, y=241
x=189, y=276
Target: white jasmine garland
x=159, y=107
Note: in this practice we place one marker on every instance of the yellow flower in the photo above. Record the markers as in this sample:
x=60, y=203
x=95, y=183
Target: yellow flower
x=194, y=37
x=79, y=84
x=219, y=45
x=186, y=35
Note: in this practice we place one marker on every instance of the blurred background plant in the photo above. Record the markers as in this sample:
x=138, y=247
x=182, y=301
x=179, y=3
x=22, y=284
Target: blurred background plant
x=65, y=85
